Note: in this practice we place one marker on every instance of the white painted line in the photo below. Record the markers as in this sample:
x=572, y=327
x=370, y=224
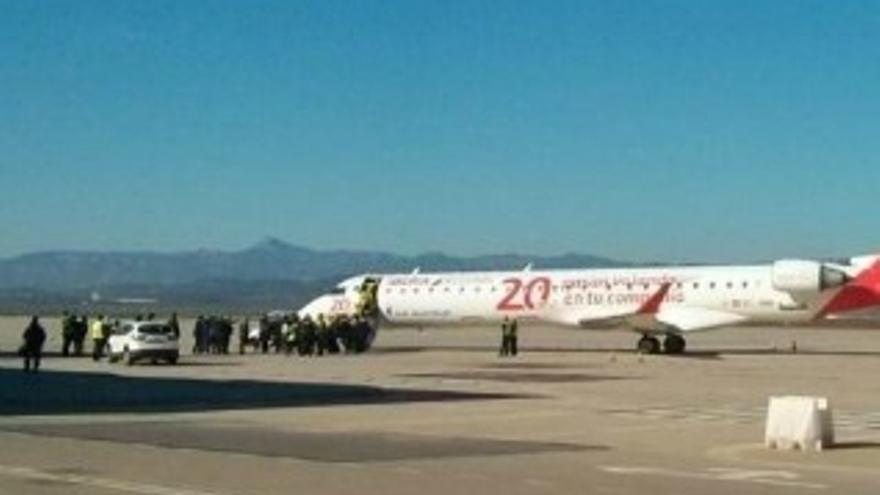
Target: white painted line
x=93, y=481
x=760, y=477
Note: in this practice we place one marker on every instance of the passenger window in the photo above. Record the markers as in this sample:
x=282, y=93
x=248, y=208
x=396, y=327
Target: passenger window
x=729, y=285
x=696, y=285
x=711, y=285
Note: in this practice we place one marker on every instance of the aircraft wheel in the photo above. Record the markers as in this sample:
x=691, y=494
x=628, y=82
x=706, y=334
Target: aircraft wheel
x=649, y=345
x=674, y=344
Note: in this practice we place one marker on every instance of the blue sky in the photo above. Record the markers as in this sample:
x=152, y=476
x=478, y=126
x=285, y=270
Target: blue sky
x=663, y=130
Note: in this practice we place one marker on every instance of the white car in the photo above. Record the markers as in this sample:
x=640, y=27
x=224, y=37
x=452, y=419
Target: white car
x=139, y=340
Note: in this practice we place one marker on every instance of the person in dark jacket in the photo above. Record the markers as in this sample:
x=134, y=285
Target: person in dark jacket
x=81, y=329
x=175, y=325
x=34, y=337
x=68, y=331
x=200, y=336
x=244, y=329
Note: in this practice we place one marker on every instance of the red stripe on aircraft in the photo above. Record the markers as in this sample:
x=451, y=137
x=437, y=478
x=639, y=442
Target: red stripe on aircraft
x=652, y=305
x=861, y=293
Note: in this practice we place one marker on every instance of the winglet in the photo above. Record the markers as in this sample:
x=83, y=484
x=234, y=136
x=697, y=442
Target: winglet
x=652, y=305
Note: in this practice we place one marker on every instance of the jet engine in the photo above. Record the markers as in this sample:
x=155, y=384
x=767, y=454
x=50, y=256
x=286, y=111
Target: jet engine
x=804, y=276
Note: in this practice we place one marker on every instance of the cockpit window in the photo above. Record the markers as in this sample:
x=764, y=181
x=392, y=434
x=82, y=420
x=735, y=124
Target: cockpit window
x=337, y=291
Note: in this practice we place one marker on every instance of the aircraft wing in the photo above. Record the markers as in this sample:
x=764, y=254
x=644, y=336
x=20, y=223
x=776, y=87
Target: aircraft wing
x=691, y=319
x=654, y=316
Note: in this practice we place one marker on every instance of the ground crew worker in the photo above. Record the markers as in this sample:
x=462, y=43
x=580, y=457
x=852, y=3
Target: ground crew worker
x=32, y=346
x=98, y=340
x=505, y=337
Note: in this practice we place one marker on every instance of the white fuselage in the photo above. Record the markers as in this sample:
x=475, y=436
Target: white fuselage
x=573, y=297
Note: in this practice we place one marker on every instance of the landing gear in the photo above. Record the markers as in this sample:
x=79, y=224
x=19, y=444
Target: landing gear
x=649, y=345
x=674, y=344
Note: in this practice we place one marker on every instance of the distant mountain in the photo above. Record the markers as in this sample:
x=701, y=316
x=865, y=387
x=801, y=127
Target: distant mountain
x=269, y=260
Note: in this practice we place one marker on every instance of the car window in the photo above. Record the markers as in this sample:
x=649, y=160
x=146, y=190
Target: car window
x=155, y=329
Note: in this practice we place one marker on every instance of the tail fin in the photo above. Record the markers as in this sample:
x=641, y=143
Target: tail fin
x=862, y=292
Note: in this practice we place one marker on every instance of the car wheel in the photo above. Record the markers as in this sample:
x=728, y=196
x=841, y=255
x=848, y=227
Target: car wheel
x=172, y=360
x=127, y=357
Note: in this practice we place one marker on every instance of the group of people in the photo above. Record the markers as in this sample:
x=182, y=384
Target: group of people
x=74, y=329
x=212, y=335
x=306, y=336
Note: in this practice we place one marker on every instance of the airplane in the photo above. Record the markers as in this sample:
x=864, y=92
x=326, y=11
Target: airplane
x=667, y=302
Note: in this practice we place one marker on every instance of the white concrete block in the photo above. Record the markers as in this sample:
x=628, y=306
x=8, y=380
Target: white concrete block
x=803, y=423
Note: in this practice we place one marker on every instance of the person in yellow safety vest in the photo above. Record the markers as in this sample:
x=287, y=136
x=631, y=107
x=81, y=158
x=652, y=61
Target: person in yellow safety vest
x=99, y=338
x=367, y=301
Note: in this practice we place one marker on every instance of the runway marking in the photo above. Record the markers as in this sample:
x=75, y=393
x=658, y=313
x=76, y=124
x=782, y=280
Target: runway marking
x=760, y=477
x=94, y=481
x=742, y=415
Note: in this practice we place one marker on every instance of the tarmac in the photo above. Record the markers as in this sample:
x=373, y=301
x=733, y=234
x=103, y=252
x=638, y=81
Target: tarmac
x=437, y=411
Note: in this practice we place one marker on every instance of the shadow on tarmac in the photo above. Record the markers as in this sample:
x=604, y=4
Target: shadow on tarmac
x=518, y=377
x=690, y=354
x=344, y=446
x=855, y=445
x=54, y=392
